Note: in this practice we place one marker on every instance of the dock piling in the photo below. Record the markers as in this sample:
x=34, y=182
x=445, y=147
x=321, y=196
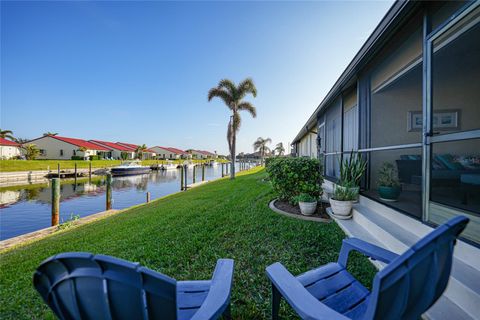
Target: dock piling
x=186, y=177
x=108, y=203
x=194, y=173
x=181, y=178
x=75, y=174
x=203, y=172
x=58, y=170
x=148, y=197
x=90, y=170
x=222, y=171
x=55, y=201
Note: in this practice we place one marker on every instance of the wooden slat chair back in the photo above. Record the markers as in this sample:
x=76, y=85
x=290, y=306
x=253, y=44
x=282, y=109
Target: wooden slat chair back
x=414, y=281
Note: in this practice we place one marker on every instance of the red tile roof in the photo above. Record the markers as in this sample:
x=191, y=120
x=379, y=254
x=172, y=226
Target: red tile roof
x=5, y=142
x=81, y=143
x=111, y=145
x=177, y=151
x=133, y=147
x=206, y=153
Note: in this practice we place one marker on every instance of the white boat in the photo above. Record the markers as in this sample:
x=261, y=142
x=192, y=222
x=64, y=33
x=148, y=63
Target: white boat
x=169, y=165
x=128, y=168
x=189, y=164
x=213, y=163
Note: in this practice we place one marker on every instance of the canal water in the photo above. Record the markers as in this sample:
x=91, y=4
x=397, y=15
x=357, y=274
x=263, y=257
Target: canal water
x=28, y=209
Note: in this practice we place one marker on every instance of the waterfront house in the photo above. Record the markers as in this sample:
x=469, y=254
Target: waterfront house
x=9, y=149
x=63, y=148
x=200, y=154
x=180, y=153
x=165, y=153
x=410, y=97
x=146, y=155
x=116, y=151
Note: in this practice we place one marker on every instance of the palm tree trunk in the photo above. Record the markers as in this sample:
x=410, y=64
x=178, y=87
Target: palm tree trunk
x=232, y=155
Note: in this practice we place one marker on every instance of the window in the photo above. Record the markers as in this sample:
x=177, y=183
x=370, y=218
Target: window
x=74, y=152
x=406, y=166
x=43, y=152
x=454, y=118
x=333, y=139
x=350, y=121
x=396, y=116
x=61, y=152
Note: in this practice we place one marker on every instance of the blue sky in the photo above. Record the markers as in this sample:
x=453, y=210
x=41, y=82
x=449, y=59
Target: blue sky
x=139, y=72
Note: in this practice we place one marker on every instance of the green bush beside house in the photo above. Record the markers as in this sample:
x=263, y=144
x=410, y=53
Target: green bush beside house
x=291, y=177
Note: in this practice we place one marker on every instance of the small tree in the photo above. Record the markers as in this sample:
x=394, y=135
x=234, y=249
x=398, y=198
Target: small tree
x=279, y=149
x=261, y=145
x=140, y=151
x=7, y=134
x=31, y=151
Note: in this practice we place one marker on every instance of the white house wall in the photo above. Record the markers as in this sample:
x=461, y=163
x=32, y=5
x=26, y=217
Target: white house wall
x=8, y=152
x=53, y=146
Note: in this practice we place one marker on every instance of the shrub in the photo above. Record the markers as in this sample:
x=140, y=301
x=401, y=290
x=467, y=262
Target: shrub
x=77, y=158
x=292, y=176
x=93, y=157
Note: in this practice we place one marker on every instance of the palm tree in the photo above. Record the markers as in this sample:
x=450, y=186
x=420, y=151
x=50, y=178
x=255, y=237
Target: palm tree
x=31, y=151
x=279, y=149
x=6, y=134
x=21, y=140
x=48, y=133
x=232, y=96
x=140, y=150
x=261, y=145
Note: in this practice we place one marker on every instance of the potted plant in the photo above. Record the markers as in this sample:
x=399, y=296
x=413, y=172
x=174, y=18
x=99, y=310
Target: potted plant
x=388, y=183
x=351, y=172
x=342, y=201
x=307, y=203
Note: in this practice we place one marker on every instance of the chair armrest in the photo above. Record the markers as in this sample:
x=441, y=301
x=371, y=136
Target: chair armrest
x=306, y=305
x=368, y=249
x=218, y=297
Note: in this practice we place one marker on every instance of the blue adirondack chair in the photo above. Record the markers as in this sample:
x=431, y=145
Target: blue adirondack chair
x=80, y=285
x=407, y=287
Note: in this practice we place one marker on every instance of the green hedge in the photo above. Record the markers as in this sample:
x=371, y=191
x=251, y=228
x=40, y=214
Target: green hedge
x=292, y=176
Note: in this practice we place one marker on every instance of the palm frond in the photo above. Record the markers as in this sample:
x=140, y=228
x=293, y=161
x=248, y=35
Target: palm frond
x=247, y=106
x=247, y=86
x=229, y=85
x=222, y=94
x=237, y=121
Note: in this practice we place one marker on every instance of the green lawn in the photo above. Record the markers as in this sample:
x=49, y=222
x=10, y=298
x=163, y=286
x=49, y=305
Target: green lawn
x=30, y=165
x=182, y=236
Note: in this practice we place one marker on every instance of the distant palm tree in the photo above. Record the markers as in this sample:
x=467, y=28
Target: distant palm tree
x=6, y=134
x=261, y=145
x=31, y=151
x=232, y=96
x=279, y=149
x=140, y=150
x=21, y=140
x=48, y=133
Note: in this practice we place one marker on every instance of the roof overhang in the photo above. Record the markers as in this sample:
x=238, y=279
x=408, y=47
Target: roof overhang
x=394, y=16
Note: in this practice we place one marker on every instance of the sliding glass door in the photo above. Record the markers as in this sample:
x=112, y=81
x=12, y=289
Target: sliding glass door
x=452, y=142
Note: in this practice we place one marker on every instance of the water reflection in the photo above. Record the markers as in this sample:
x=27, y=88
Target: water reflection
x=29, y=209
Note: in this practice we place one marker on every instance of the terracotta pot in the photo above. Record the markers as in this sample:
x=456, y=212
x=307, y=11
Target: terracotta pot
x=341, y=208
x=307, y=208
